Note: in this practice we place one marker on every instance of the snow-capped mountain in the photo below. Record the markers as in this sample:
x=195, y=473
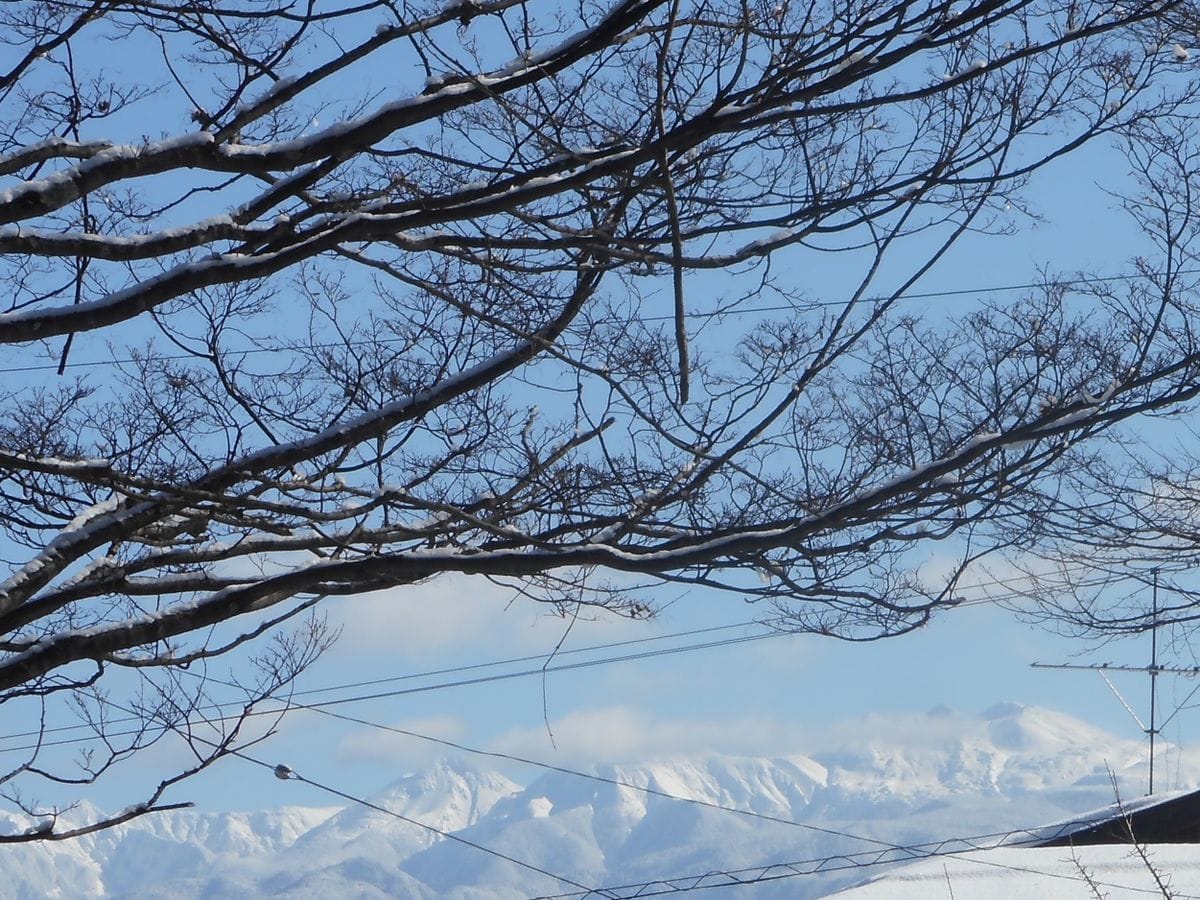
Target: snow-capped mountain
x=893, y=779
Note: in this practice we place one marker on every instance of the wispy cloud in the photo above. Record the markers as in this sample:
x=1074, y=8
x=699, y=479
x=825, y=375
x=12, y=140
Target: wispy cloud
x=623, y=733
x=457, y=613
x=374, y=745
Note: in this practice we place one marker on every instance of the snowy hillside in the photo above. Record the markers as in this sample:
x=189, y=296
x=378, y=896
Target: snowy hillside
x=892, y=779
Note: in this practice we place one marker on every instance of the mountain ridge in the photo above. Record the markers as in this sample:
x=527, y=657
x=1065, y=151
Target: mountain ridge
x=893, y=779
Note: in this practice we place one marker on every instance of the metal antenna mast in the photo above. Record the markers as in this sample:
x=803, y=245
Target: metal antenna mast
x=1153, y=670
x=1152, y=731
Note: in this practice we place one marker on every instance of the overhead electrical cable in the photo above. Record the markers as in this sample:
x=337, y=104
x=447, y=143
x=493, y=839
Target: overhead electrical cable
x=949, y=847
x=429, y=673
x=286, y=773
x=709, y=880
x=616, y=782
x=888, y=847
x=382, y=695
x=484, y=679
x=732, y=877
x=731, y=312
x=973, y=840
x=820, y=865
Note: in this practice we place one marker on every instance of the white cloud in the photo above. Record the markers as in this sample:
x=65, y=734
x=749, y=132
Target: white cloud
x=389, y=748
x=627, y=734
x=791, y=656
x=989, y=576
x=458, y=613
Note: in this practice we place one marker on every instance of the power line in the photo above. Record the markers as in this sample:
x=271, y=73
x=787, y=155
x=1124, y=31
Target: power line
x=429, y=673
x=712, y=879
x=484, y=679
x=734, y=877
x=743, y=877
x=948, y=847
x=955, y=846
x=322, y=708
x=683, y=884
x=712, y=314
x=749, y=623
x=615, y=782
x=286, y=773
x=998, y=838
x=383, y=695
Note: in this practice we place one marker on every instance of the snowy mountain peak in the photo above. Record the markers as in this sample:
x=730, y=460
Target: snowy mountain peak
x=448, y=796
x=1007, y=749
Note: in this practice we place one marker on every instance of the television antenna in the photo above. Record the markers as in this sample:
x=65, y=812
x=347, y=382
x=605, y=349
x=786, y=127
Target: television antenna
x=1154, y=728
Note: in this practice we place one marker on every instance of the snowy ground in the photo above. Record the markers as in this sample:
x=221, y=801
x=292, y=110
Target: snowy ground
x=1050, y=873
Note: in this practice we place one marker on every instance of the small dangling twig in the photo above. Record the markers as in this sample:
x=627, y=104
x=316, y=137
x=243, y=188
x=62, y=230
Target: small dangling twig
x=681, y=340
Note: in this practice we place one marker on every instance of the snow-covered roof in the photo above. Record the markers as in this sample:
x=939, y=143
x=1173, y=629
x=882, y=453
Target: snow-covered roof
x=1061, y=830
x=1043, y=862
x=1048, y=873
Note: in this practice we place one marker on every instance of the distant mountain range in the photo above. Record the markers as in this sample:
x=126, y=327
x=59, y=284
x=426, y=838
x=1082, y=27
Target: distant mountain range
x=893, y=779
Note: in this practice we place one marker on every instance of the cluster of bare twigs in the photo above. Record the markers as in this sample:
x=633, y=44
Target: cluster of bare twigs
x=395, y=290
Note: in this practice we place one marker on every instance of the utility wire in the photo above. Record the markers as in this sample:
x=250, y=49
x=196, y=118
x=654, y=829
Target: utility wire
x=382, y=695
x=739, y=311
x=521, y=673
x=412, y=676
x=683, y=884
x=745, y=876
x=955, y=847
x=656, y=792
x=286, y=773
x=1017, y=838
x=712, y=879
x=671, y=886
x=998, y=838
x=615, y=782
x=734, y=877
